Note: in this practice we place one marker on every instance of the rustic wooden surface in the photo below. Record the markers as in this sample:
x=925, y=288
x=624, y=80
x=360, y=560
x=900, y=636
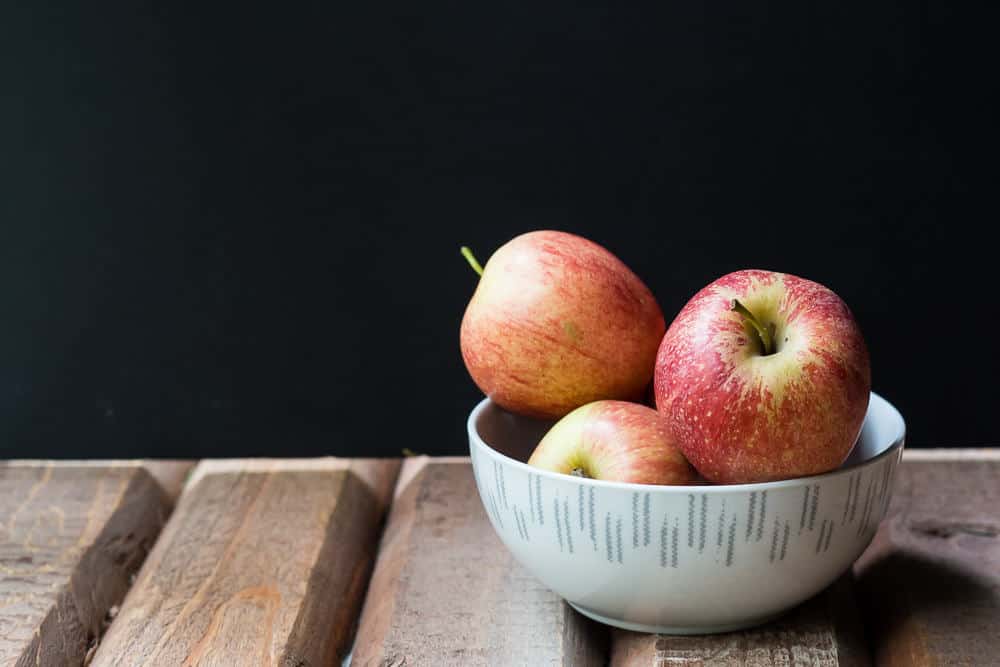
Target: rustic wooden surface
x=447, y=592
x=957, y=454
x=267, y=562
x=823, y=631
x=929, y=585
x=71, y=538
x=263, y=563
x=170, y=474
x=930, y=581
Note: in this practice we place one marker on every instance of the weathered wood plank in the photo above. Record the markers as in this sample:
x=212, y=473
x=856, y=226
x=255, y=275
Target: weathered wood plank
x=447, y=592
x=170, y=474
x=71, y=538
x=264, y=562
x=930, y=581
x=823, y=631
x=970, y=453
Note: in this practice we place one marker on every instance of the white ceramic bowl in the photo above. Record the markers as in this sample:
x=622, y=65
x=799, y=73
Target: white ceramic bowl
x=682, y=559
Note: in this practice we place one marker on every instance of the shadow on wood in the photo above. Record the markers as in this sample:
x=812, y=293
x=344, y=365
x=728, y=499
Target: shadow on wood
x=71, y=538
x=822, y=631
x=263, y=562
x=445, y=590
x=930, y=581
x=912, y=603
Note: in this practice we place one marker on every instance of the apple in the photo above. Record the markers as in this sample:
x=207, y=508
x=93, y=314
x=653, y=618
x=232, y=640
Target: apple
x=615, y=441
x=763, y=376
x=558, y=321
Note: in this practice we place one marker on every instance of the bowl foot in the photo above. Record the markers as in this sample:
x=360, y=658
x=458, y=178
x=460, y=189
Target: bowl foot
x=675, y=629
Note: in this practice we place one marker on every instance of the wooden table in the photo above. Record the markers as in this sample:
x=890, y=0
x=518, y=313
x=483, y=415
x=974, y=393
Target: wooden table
x=388, y=562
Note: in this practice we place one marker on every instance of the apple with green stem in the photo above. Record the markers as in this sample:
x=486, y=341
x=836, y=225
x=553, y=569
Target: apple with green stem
x=558, y=321
x=615, y=441
x=763, y=376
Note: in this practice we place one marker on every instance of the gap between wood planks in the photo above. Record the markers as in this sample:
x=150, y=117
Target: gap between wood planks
x=834, y=614
x=364, y=490
x=282, y=546
x=71, y=537
x=950, y=529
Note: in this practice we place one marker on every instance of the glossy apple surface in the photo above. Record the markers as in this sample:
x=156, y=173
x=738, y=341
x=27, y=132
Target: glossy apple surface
x=763, y=376
x=558, y=321
x=615, y=441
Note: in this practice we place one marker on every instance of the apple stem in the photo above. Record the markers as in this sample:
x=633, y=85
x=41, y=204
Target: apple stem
x=764, y=333
x=471, y=259
x=579, y=472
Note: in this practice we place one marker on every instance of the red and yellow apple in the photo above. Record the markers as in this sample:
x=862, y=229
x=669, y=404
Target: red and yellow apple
x=763, y=376
x=615, y=441
x=558, y=321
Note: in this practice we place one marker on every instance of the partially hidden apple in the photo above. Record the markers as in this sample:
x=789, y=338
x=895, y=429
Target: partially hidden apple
x=558, y=321
x=763, y=376
x=615, y=441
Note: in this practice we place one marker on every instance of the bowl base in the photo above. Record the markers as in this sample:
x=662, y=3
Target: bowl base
x=675, y=629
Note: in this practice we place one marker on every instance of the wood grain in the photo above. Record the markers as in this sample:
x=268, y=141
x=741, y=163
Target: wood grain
x=930, y=581
x=823, y=631
x=958, y=453
x=71, y=538
x=264, y=562
x=170, y=474
x=447, y=592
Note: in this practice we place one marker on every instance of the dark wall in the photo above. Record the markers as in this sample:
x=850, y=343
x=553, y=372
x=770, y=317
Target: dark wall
x=235, y=231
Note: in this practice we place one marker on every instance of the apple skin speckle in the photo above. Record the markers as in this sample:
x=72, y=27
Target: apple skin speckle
x=615, y=441
x=558, y=321
x=740, y=416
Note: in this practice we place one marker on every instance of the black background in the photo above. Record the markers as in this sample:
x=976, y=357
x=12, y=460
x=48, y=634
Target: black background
x=234, y=231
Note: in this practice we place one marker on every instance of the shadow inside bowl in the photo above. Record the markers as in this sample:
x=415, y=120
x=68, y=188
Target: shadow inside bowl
x=512, y=435
x=516, y=436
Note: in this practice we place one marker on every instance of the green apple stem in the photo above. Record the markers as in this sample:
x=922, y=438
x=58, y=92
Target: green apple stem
x=764, y=333
x=471, y=259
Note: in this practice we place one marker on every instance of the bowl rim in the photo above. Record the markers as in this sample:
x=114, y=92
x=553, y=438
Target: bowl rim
x=896, y=445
